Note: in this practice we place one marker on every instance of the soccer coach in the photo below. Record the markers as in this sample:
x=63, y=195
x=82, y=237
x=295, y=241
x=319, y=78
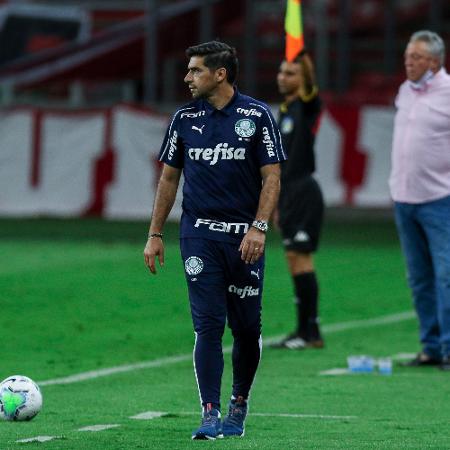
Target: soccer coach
x=228, y=147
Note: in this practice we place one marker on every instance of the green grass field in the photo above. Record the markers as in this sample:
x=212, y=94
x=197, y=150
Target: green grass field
x=75, y=297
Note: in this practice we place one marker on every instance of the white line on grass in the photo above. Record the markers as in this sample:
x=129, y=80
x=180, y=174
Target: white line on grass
x=305, y=416
x=335, y=371
x=150, y=415
x=118, y=369
x=328, y=329
x=403, y=356
x=345, y=371
x=435, y=373
x=39, y=439
x=368, y=323
x=95, y=428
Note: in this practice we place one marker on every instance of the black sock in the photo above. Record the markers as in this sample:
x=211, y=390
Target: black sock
x=239, y=400
x=307, y=293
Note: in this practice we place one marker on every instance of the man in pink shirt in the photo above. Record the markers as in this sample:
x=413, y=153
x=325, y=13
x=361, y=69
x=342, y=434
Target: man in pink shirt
x=420, y=188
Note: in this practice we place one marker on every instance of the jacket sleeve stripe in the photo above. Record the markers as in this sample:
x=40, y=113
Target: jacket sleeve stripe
x=170, y=131
x=276, y=134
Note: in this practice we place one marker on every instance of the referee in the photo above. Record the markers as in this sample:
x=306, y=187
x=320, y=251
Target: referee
x=301, y=206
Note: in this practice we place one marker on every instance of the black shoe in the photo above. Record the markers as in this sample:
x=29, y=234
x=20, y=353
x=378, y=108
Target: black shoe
x=445, y=363
x=296, y=341
x=422, y=359
x=293, y=342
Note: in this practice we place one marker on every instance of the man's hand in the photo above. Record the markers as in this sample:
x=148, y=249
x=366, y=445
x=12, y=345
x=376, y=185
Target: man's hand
x=154, y=248
x=252, y=246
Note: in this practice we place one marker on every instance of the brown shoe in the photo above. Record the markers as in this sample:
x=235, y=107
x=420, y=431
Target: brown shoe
x=422, y=359
x=317, y=343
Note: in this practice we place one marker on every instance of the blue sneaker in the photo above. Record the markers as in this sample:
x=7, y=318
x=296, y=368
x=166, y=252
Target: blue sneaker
x=211, y=426
x=233, y=424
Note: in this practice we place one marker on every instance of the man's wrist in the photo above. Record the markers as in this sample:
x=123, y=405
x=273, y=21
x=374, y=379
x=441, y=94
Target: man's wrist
x=155, y=235
x=260, y=225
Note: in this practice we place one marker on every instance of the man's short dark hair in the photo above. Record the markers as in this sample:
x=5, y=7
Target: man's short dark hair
x=216, y=55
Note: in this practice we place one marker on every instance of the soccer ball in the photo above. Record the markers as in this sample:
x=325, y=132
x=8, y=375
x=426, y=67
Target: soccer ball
x=20, y=398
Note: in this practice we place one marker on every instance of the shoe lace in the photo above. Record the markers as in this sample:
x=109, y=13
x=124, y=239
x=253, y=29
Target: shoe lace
x=209, y=420
x=236, y=414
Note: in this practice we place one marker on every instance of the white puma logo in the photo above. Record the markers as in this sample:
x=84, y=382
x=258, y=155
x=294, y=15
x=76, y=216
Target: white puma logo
x=255, y=273
x=200, y=130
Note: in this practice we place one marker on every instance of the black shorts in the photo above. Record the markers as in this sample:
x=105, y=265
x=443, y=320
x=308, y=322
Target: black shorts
x=301, y=209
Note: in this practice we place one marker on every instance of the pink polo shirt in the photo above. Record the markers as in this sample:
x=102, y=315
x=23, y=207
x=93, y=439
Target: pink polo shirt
x=421, y=143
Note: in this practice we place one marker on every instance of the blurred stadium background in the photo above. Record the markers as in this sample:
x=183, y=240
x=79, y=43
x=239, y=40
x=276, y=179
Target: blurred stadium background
x=86, y=89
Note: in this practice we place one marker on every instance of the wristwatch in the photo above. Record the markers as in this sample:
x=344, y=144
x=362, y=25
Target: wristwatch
x=260, y=225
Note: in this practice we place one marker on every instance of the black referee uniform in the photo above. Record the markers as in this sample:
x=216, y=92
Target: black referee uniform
x=301, y=203
x=301, y=210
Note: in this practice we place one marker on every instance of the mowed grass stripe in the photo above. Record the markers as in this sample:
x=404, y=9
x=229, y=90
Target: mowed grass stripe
x=72, y=304
x=328, y=329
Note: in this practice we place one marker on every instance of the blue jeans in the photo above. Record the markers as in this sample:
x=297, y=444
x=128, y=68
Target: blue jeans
x=424, y=231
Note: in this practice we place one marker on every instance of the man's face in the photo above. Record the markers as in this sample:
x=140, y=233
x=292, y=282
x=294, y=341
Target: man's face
x=289, y=78
x=200, y=79
x=418, y=60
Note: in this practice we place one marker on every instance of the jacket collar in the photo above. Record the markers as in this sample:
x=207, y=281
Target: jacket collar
x=227, y=109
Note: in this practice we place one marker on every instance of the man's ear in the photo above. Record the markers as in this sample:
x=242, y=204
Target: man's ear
x=221, y=74
x=435, y=65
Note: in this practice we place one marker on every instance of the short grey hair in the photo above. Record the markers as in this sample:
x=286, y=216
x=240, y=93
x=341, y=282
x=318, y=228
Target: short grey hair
x=434, y=42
